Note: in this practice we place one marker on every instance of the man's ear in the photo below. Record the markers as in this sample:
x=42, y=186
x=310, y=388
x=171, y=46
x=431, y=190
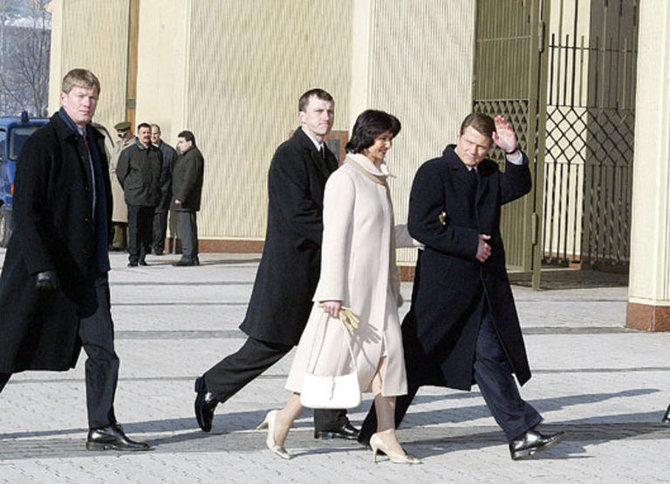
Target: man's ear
x=301, y=116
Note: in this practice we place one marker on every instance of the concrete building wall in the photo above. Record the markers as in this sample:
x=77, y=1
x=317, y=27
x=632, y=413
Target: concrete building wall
x=92, y=34
x=419, y=68
x=232, y=71
x=162, y=55
x=248, y=62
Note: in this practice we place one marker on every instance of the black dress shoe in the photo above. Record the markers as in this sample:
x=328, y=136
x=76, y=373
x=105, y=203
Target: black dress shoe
x=143, y=263
x=185, y=263
x=533, y=441
x=204, y=405
x=346, y=431
x=132, y=263
x=666, y=417
x=112, y=438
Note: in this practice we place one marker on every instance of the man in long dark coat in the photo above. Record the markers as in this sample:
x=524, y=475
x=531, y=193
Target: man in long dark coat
x=54, y=292
x=463, y=326
x=187, y=179
x=287, y=276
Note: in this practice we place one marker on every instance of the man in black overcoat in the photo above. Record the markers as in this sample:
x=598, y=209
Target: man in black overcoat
x=54, y=292
x=187, y=179
x=463, y=326
x=288, y=273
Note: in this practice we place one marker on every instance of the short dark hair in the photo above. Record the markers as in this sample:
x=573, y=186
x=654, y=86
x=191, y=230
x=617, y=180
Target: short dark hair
x=143, y=125
x=319, y=93
x=188, y=136
x=368, y=126
x=481, y=122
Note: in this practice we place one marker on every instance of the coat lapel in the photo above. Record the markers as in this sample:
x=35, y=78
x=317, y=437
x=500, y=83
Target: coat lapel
x=312, y=152
x=73, y=139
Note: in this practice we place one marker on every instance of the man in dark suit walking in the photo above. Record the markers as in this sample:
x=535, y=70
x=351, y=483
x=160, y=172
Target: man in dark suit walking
x=463, y=326
x=281, y=299
x=54, y=291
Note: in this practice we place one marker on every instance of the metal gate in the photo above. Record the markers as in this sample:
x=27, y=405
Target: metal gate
x=590, y=133
x=510, y=69
x=567, y=83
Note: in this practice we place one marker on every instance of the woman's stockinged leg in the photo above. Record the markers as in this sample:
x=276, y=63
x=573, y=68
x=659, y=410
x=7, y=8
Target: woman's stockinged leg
x=385, y=439
x=285, y=418
x=385, y=407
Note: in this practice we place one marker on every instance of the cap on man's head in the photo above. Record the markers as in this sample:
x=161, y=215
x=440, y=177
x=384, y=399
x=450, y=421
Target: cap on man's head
x=122, y=127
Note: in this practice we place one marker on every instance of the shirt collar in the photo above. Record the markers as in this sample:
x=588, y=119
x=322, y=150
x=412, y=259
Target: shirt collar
x=68, y=120
x=316, y=143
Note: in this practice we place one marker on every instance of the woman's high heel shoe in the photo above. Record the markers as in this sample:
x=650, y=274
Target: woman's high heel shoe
x=269, y=423
x=377, y=444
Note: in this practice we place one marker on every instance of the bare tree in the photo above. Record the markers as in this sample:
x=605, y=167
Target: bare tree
x=25, y=38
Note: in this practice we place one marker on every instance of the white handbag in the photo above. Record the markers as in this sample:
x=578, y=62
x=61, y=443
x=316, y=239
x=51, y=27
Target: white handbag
x=335, y=392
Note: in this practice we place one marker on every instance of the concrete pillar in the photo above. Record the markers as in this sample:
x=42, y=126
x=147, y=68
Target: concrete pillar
x=649, y=288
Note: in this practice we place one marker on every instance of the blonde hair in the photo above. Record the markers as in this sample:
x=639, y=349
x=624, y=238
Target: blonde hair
x=80, y=78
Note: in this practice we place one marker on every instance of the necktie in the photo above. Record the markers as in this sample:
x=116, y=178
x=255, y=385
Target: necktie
x=472, y=178
x=322, y=153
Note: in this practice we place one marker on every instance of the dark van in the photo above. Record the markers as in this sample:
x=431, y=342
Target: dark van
x=14, y=131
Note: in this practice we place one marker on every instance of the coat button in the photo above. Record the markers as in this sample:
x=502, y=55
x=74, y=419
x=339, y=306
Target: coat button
x=87, y=220
x=84, y=251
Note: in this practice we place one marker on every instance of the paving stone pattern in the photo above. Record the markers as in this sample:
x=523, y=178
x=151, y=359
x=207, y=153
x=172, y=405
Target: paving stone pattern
x=605, y=385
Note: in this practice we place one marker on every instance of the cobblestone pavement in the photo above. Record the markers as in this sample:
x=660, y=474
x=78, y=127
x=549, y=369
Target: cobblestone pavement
x=605, y=385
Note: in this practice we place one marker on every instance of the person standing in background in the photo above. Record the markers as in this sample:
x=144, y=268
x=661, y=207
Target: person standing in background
x=161, y=213
x=187, y=191
x=120, y=211
x=140, y=172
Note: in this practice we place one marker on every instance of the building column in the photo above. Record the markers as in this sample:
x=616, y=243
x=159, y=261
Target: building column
x=649, y=287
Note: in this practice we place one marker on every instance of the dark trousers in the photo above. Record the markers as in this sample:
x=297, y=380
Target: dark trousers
x=140, y=222
x=96, y=332
x=492, y=373
x=160, y=229
x=232, y=373
x=188, y=233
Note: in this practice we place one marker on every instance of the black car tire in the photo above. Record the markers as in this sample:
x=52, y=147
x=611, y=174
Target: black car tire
x=5, y=226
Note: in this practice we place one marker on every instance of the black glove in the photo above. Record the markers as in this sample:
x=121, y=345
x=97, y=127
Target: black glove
x=47, y=281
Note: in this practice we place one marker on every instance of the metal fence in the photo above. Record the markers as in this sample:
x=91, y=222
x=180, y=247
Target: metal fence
x=589, y=145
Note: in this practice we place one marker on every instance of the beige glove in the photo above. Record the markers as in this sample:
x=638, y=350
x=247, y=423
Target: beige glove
x=349, y=319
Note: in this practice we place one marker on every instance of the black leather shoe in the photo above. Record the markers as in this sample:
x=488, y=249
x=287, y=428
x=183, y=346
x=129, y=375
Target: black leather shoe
x=185, y=263
x=347, y=431
x=204, y=405
x=143, y=263
x=112, y=438
x=666, y=417
x=533, y=441
x=132, y=264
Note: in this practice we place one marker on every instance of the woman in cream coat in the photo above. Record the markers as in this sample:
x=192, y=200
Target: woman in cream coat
x=358, y=270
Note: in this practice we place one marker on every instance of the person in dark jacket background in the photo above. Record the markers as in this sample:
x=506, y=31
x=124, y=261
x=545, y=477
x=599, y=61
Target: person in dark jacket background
x=140, y=172
x=463, y=326
x=163, y=207
x=288, y=273
x=187, y=181
x=54, y=291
